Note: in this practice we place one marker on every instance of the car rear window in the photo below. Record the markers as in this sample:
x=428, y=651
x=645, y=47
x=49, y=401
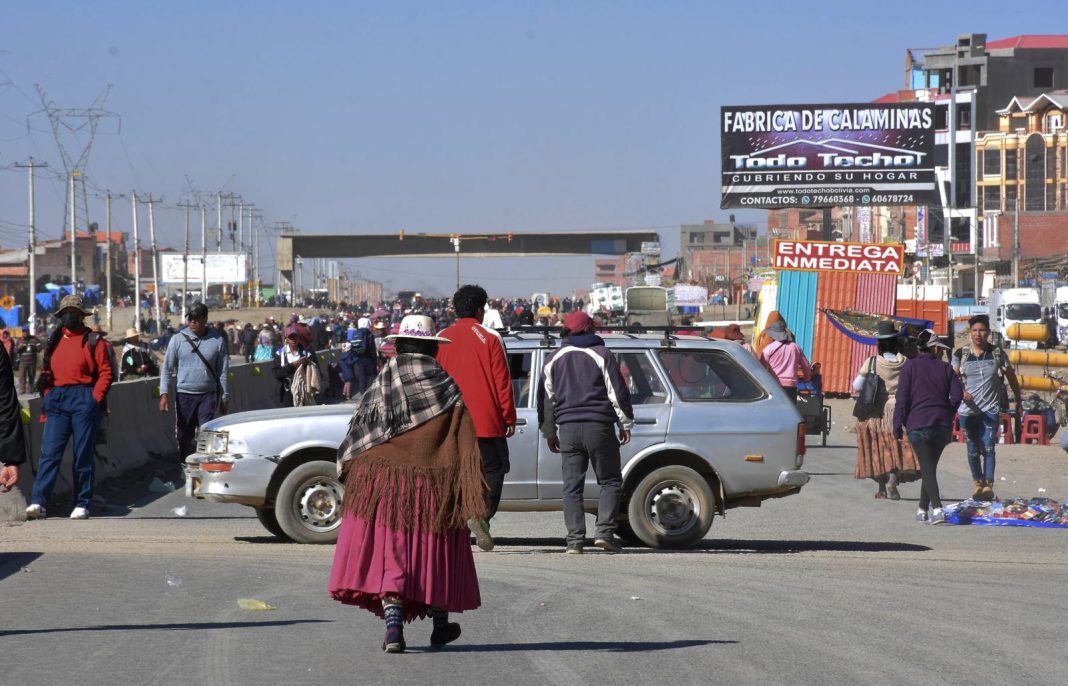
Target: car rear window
x=709, y=375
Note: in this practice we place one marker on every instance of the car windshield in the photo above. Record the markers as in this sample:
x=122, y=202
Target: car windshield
x=1062, y=311
x=1023, y=312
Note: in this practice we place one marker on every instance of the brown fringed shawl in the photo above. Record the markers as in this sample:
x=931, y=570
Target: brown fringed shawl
x=411, y=457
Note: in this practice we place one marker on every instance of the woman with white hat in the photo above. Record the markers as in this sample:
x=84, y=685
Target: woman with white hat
x=412, y=472
x=136, y=361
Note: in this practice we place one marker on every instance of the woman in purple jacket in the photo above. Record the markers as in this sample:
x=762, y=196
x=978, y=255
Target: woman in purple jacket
x=928, y=394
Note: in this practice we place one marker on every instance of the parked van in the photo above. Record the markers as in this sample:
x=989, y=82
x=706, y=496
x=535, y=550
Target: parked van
x=1060, y=313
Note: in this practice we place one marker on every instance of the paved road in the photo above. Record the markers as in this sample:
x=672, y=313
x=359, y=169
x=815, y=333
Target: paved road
x=828, y=587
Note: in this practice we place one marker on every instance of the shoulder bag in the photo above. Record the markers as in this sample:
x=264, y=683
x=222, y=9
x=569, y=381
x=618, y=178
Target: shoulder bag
x=865, y=405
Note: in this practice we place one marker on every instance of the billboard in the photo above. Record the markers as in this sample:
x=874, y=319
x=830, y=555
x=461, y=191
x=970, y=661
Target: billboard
x=834, y=256
x=222, y=268
x=782, y=156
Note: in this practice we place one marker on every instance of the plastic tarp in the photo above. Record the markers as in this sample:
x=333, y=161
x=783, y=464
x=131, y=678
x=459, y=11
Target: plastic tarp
x=11, y=316
x=1035, y=512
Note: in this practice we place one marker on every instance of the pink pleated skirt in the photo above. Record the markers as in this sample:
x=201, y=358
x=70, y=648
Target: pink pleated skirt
x=424, y=569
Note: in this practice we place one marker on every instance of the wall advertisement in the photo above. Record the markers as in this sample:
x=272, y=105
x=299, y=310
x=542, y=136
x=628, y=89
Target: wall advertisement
x=834, y=256
x=782, y=156
x=222, y=268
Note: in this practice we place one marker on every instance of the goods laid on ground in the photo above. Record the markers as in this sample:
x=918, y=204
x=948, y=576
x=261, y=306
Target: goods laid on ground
x=1037, y=512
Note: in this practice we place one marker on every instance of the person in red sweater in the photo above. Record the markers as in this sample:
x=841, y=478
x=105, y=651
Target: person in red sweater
x=478, y=361
x=75, y=379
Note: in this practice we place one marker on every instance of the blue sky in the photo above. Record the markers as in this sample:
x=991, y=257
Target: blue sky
x=351, y=117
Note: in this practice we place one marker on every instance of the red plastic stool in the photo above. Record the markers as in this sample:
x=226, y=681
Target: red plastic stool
x=1034, y=429
x=1005, y=432
x=958, y=433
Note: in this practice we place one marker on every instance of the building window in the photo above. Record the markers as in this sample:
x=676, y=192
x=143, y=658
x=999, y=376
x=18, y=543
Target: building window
x=1051, y=196
x=992, y=162
x=1010, y=164
x=991, y=198
x=1043, y=77
x=1010, y=198
x=1035, y=174
x=1051, y=165
x=964, y=116
x=697, y=238
x=1054, y=123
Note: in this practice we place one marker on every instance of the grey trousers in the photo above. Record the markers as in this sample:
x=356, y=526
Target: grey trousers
x=580, y=444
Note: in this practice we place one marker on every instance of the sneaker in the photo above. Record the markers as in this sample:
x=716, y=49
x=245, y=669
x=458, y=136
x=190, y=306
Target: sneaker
x=609, y=544
x=574, y=549
x=445, y=634
x=35, y=512
x=80, y=513
x=481, y=530
x=937, y=516
x=921, y=515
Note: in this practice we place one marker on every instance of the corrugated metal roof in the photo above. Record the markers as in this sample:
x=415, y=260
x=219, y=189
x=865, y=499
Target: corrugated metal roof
x=832, y=349
x=796, y=302
x=1030, y=42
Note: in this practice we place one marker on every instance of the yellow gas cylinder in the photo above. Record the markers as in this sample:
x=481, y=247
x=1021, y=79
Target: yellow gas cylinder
x=1028, y=332
x=1040, y=358
x=1038, y=383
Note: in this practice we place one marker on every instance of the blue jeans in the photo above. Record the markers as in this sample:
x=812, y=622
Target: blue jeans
x=70, y=412
x=981, y=430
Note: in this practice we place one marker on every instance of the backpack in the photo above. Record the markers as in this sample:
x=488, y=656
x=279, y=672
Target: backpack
x=90, y=339
x=362, y=345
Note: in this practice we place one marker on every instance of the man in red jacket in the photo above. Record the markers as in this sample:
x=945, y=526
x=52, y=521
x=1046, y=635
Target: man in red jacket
x=478, y=361
x=76, y=376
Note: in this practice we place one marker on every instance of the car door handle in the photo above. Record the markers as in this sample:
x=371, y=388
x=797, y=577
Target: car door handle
x=520, y=422
x=645, y=421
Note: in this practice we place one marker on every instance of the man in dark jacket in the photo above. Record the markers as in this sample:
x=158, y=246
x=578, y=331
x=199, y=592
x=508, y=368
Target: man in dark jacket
x=27, y=351
x=582, y=401
x=12, y=443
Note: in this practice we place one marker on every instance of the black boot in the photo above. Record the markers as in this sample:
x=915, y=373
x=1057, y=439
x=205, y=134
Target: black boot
x=444, y=630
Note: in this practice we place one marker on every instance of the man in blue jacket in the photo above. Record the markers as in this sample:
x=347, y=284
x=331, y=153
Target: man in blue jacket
x=585, y=414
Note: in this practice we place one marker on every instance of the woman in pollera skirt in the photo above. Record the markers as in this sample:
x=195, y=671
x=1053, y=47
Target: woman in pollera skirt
x=413, y=476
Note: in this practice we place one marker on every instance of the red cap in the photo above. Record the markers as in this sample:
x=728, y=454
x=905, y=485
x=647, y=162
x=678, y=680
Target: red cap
x=578, y=322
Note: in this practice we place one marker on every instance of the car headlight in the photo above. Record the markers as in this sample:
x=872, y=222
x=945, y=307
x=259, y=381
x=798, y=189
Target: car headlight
x=213, y=442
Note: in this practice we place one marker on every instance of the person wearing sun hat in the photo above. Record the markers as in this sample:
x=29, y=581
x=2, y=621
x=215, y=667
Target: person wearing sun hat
x=784, y=358
x=412, y=473
x=135, y=360
x=74, y=382
x=734, y=333
x=886, y=460
x=928, y=393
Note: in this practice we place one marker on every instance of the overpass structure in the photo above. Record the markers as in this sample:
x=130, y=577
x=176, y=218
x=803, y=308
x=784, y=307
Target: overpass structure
x=401, y=244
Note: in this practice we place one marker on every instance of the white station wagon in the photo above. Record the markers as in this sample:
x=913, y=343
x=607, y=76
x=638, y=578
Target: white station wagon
x=712, y=431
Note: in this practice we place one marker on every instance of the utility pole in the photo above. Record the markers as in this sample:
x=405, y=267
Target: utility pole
x=185, y=261
x=456, y=246
x=137, y=264
x=1016, y=243
x=32, y=256
x=218, y=236
x=73, y=240
x=203, y=254
x=155, y=257
x=107, y=258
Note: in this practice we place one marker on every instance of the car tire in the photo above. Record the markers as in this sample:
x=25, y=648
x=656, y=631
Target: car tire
x=270, y=521
x=308, y=504
x=671, y=507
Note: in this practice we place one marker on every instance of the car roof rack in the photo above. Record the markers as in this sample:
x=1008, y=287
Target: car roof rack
x=629, y=330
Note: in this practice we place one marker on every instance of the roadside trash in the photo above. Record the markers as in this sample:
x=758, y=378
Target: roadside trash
x=254, y=605
x=1037, y=512
x=634, y=597
x=26, y=569
x=180, y=511
x=174, y=581
x=159, y=486
x=1041, y=490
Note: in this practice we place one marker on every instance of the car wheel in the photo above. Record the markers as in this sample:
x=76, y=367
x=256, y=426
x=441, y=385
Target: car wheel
x=672, y=507
x=308, y=504
x=270, y=521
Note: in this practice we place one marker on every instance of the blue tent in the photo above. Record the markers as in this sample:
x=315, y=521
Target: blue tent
x=48, y=301
x=10, y=316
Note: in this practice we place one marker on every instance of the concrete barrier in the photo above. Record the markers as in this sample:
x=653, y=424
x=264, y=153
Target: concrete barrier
x=136, y=434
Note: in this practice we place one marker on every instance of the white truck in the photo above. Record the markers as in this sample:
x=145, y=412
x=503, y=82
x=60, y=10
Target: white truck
x=1060, y=313
x=1010, y=306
